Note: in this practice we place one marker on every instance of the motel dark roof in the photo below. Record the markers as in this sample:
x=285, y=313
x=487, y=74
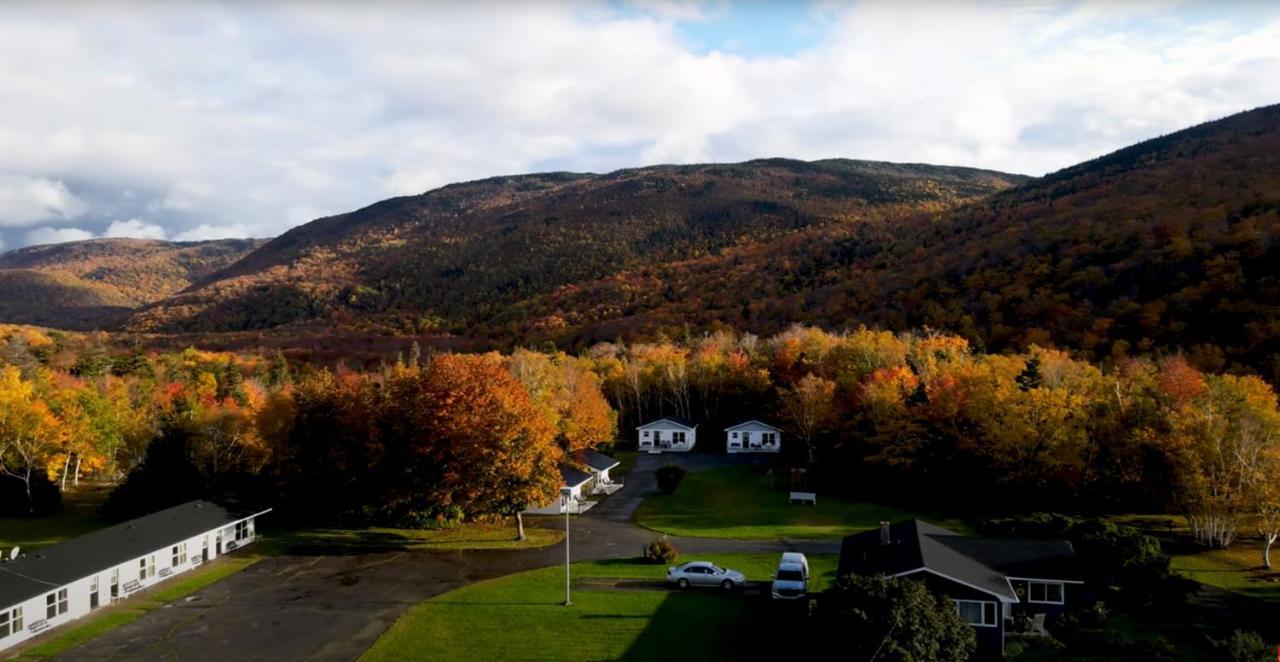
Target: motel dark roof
x=41, y=571
x=682, y=422
x=985, y=564
x=595, y=460
x=573, y=477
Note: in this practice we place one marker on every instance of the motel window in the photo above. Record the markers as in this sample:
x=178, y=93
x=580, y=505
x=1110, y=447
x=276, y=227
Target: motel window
x=55, y=604
x=1049, y=593
x=10, y=622
x=977, y=612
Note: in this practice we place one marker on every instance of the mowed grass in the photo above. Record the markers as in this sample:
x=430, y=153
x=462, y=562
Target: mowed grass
x=522, y=616
x=79, y=516
x=465, y=536
x=741, y=503
x=1237, y=569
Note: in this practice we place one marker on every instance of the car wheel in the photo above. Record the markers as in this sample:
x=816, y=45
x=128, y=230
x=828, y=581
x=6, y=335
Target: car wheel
x=683, y=583
x=727, y=584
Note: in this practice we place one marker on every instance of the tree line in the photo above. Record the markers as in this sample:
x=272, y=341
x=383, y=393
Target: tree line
x=921, y=418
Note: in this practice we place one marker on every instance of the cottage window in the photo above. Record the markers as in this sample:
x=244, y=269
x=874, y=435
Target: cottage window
x=4, y=624
x=677, y=437
x=115, y=583
x=977, y=612
x=179, y=554
x=93, y=592
x=17, y=620
x=1049, y=593
x=769, y=438
x=242, y=530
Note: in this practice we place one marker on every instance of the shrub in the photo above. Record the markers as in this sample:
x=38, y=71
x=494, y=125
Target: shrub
x=660, y=550
x=669, y=478
x=1242, y=646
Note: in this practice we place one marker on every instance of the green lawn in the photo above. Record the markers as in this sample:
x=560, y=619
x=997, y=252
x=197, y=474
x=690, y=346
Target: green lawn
x=466, y=536
x=521, y=617
x=1238, y=569
x=78, y=517
x=740, y=502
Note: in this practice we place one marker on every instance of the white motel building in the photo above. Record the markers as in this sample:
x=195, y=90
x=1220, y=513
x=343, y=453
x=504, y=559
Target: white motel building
x=54, y=585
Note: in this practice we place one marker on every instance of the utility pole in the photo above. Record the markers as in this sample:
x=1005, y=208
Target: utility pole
x=566, y=495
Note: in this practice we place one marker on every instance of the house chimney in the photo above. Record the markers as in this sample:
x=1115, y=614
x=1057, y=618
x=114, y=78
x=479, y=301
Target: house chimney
x=884, y=533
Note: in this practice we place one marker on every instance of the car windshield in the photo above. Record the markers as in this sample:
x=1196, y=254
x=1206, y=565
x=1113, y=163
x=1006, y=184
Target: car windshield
x=790, y=576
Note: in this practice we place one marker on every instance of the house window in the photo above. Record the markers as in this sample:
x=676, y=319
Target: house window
x=976, y=612
x=147, y=567
x=179, y=554
x=55, y=604
x=1049, y=593
x=769, y=438
x=4, y=624
x=677, y=437
x=93, y=593
x=115, y=583
x=242, y=530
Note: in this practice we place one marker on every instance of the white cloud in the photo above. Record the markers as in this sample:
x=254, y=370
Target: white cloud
x=27, y=200
x=205, y=231
x=261, y=116
x=48, y=235
x=135, y=228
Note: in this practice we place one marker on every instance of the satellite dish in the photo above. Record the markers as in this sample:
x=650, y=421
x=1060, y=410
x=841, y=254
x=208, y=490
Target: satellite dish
x=13, y=554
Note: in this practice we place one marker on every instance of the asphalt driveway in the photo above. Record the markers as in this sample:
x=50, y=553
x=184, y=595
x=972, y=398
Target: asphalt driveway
x=334, y=606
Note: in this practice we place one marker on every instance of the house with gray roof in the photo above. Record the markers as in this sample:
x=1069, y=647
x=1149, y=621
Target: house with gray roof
x=990, y=580
x=48, y=587
x=669, y=434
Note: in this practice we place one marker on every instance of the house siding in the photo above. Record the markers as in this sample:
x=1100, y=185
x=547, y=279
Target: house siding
x=990, y=639
x=36, y=620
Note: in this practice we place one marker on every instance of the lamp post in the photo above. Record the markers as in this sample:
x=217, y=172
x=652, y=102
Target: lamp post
x=566, y=496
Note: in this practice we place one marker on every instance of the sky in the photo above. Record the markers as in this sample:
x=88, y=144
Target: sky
x=194, y=120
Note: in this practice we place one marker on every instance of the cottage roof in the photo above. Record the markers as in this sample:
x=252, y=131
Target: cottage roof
x=752, y=425
x=668, y=421
x=595, y=460
x=573, y=477
x=984, y=564
x=45, y=569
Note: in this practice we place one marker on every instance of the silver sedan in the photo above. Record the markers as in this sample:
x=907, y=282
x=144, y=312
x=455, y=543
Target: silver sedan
x=704, y=573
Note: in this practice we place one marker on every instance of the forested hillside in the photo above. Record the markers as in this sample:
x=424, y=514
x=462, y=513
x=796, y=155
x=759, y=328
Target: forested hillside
x=462, y=255
x=1169, y=244
x=84, y=284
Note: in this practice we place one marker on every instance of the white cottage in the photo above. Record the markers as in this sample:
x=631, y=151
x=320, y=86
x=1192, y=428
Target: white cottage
x=753, y=437
x=598, y=465
x=54, y=585
x=668, y=434
x=578, y=482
